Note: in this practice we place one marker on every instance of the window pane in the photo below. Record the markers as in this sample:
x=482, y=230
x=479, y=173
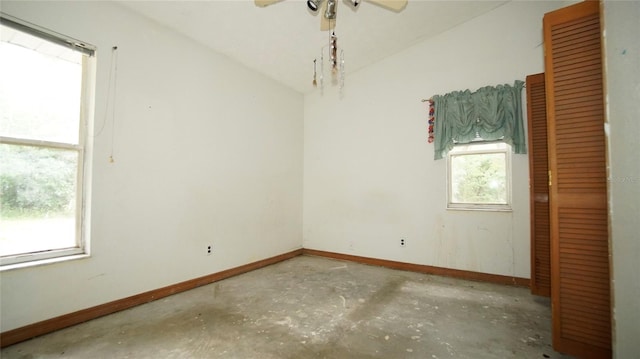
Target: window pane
x=38, y=199
x=479, y=178
x=40, y=88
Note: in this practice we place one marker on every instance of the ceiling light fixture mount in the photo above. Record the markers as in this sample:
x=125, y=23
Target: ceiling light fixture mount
x=313, y=5
x=330, y=13
x=328, y=8
x=354, y=3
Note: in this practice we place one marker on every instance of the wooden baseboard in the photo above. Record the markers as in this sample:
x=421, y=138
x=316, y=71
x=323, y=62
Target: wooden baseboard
x=50, y=325
x=420, y=268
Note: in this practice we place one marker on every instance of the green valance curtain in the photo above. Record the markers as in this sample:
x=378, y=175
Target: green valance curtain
x=490, y=113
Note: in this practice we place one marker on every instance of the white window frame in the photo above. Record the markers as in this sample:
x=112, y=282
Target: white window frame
x=83, y=148
x=475, y=148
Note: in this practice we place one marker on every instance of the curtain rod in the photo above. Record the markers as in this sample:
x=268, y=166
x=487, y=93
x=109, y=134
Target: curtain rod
x=524, y=85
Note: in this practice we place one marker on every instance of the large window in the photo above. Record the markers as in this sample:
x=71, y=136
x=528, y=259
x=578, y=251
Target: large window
x=45, y=93
x=480, y=176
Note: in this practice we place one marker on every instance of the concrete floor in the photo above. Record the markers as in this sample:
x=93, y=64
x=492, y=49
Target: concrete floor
x=310, y=307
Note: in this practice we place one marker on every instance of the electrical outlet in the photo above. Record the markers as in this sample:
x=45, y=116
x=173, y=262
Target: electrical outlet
x=403, y=242
x=209, y=249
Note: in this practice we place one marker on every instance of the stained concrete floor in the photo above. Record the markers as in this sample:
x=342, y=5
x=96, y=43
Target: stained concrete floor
x=310, y=307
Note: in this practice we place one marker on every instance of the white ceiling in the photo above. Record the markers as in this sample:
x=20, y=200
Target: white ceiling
x=282, y=40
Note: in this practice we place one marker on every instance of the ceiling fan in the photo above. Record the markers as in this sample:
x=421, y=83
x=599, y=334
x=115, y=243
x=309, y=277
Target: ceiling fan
x=328, y=8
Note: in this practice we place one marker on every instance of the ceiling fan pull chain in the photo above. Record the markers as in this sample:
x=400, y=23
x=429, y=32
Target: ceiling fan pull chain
x=341, y=71
x=321, y=71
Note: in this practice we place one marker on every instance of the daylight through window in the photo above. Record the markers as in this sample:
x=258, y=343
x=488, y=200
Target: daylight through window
x=480, y=176
x=43, y=131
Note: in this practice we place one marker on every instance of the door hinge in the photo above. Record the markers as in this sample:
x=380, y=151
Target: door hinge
x=550, y=178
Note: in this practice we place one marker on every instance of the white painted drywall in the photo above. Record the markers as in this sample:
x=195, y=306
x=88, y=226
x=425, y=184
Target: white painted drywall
x=369, y=174
x=622, y=76
x=206, y=152
x=209, y=152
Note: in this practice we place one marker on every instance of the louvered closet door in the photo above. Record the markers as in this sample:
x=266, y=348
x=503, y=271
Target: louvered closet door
x=578, y=204
x=539, y=186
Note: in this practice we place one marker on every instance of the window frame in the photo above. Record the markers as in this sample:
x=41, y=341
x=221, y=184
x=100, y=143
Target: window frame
x=468, y=149
x=83, y=149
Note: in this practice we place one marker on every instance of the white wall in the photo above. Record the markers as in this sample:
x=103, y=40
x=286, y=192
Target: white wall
x=369, y=174
x=209, y=152
x=622, y=46
x=206, y=152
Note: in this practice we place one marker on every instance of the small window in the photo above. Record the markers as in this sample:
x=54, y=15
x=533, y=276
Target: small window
x=480, y=176
x=44, y=93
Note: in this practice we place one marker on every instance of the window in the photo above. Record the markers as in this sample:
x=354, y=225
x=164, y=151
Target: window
x=44, y=96
x=480, y=176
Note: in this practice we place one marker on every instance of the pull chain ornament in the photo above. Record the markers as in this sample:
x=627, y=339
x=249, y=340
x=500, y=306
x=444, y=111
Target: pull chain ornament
x=335, y=63
x=333, y=51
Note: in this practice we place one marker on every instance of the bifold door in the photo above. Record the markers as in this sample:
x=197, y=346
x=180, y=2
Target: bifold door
x=580, y=284
x=539, y=186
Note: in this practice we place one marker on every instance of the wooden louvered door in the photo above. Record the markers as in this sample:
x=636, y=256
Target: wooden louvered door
x=580, y=284
x=539, y=186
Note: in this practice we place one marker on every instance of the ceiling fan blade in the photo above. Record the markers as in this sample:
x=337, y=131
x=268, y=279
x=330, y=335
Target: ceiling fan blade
x=263, y=3
x=326, y=24
x=394, y=5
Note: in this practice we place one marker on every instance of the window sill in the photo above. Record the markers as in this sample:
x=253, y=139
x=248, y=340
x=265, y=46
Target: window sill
x=41, y=262
x=481, y=209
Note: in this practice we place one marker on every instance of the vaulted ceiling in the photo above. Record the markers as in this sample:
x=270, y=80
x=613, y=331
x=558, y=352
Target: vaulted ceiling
x=282, y=40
